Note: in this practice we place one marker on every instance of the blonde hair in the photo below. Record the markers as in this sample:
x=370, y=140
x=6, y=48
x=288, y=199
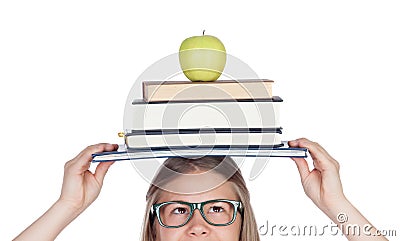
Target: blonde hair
x=224, y=166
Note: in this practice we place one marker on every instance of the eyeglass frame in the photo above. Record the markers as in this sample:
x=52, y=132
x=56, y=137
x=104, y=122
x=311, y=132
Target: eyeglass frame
x=238, y=206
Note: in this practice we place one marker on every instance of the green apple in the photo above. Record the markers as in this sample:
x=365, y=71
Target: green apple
x=202, y=58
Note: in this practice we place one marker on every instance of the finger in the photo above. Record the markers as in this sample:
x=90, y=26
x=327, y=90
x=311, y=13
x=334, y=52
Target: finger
x=84, y=158
x=320, y=156
x=101, y=147
x=313, y=146
x=303, y=168
x=101, y=171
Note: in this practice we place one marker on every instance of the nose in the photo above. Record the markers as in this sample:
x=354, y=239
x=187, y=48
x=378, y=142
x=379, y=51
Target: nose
x=197, y=226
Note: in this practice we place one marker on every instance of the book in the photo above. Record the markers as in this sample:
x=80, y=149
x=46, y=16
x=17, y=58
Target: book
x=203, y=137
x=215, y=90
x=123, y=154
x=254, y=113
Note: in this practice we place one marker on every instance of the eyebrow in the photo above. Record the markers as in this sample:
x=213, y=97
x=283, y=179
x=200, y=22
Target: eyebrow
x=178, y=201
x=199, y=202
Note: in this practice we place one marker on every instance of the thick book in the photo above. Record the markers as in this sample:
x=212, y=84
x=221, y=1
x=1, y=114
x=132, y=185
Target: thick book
x=254, y=113
x=215, y=90
x=142, y=155
x=204, y=137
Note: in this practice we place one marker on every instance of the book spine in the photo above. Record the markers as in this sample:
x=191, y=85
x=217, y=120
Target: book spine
x=203, y=139
x=191, y=115
x=187, y=90
x=205, y=148
x=204, y=130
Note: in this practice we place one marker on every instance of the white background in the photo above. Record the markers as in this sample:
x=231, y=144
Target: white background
x=66, y=68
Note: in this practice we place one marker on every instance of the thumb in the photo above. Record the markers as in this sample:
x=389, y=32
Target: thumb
x=101, y=171
x=303, y=168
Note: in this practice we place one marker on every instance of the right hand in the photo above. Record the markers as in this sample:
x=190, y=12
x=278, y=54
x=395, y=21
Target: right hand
x=321, y=184
x=80, y=186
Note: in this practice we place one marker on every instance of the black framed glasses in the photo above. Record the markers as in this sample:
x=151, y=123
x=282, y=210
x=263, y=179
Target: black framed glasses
x=175, y=214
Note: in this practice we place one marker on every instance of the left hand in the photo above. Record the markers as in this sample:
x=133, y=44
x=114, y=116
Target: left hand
x=80, y=186
x=322, y=184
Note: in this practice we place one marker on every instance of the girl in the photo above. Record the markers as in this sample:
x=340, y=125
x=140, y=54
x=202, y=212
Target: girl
x=199, y=199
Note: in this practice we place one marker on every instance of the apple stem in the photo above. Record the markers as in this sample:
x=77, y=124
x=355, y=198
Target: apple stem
x=203, y=32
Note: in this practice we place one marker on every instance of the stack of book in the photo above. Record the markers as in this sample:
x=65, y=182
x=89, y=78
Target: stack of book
x=191, y=119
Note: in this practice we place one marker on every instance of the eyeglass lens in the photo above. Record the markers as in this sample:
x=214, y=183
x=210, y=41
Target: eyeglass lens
x=175, y=214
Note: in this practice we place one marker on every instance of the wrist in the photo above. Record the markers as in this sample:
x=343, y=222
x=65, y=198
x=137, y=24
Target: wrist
x=341, y=205
x=69, y=207
x=335, y=205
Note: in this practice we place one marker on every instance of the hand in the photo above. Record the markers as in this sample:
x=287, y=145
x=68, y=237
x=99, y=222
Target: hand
x=80, y=186
x=322, y=184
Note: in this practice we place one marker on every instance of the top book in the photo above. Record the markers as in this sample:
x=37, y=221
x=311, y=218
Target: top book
x=154, y=91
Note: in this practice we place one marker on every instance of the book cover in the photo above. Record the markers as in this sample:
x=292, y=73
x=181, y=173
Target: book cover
x=215, y=90
x=139, y=155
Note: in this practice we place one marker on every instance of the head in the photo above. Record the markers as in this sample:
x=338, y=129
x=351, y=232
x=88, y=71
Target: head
x=198, y=181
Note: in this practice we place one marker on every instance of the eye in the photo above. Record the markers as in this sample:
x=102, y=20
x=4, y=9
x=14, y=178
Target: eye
x=216, y=209
x=180, y=210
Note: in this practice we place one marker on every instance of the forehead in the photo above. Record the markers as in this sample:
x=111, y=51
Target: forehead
x=193, y=183
x=224, y=191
